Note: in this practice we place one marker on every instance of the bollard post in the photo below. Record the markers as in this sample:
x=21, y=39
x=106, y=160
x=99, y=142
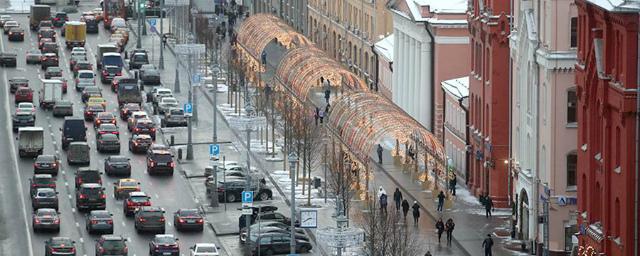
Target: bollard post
x=180, y=154
x=172, y=141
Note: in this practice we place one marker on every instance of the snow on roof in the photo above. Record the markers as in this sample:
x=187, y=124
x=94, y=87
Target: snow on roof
x=617, y=5
x=436, y=6
x=444, y=6
x=385, y=47
x=457, y=87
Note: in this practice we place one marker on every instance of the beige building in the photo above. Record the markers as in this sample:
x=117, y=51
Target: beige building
x=347, y=30
x=293, y=12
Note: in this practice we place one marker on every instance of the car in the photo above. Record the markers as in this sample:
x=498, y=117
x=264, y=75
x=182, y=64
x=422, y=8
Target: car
x=52, y=72
x=92, y=24
x=91, y=91
x=115, y=82
x=150, y=77
x=59, y=18
x=144, y=126
x=230, y=190
x=16, y=35
x=117, y=166
x=98, y=13
x=204, y=249
x=23, y=119
x=111, y=245
x=87, y=14
x=91, y=110
x=164, y=244
x=138, y=59
x=124, y=32
x=84, y=84
x=82, y=65
x=45, y=219
x=4, y=18
x=64, y=82
x=49, y=60
x=44, y=198
x=157, y=93
x=99, y=221
x=134, y=201
x=135, y=115
x=188, y=219
x=123, y=187
x=63, y=108
x=8, y=59
x=165, y=104
x=78, y=153
x=275, y=243
x=41, y=181
x=96, y=100
x=73, y=129
x=87, y=175
x=107, y=128
x=256, y=230
x=108, y=143
x=47, y=32
x=23, y=94
x=90, y=196
x=160, y=161
x=127, y=108
x=45, y=24
x=42, y=41
x=26, y=107
x=118, y=39
x=8, y=25
x=50, y=47
x=86, y=76
x=17, y=82
x=109, y=72
x=46, y=164
x=140, y=143
x=33, y=56
x=58, y=246
x=103, y=118
x=174, y=117
x=149, y=218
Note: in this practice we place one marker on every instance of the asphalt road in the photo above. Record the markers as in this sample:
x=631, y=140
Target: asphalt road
x=16, y=235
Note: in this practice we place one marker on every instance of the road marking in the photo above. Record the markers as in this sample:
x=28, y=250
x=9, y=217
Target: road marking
x=82, y=241
x=73, y=210
x=124, y=224
x=156, y=195
x=169, y=223
x=77, y=225
x=69, y=196
x=66, y=184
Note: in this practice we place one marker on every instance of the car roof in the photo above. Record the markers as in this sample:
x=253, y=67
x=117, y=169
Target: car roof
x=118, y=157
x=43, y=176
x=45, y=190
x=112, y=237
x=141, y=136
x=138, y=193
x=127, y=180
x=109, y=136
x=111, y=54
x=90, y=185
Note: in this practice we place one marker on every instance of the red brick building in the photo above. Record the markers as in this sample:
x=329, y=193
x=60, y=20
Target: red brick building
x=489, y=99
x=607, y=79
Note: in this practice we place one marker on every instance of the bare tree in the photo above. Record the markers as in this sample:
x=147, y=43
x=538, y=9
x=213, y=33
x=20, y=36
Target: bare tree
x=386, y=233
x=343, y=178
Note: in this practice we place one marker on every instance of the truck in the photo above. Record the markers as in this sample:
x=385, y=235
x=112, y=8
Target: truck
x=102, y=49
x=30, y=141
x=113, y=9
x=39, y=12
x=50, y=92
x=75, y=34
x=129, y=92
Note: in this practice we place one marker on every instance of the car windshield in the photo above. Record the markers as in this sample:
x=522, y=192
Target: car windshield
x=90, y=175
x=24, y=116
x=140, y=57
x=43, y=181
x=113, y=244
x=109, y=137
x=189, y=213
x=91, y=191
x=46, y=212
x=101, y=214
x=177, y=112
x=169, y=101
x=95, y=108
x=162, y=157
x=139, y=199
x=46, y=193
x=85, y=75
x=205, y=249
x=113, y=69
x=83, y=66
x=128, y=184
x=91, y=89
x=165, y=240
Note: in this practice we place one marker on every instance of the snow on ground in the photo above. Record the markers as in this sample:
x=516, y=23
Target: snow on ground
x=465, y=196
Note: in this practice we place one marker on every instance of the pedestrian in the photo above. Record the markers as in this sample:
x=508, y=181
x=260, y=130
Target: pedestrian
x=488, y=206
x=379, y=154
x=449, y=226
x=321, y=115
x=405, y=208
x=326, y=108
x=264, y=58
x=397, y=198
x=381, y=191
x=452, y=184
x=416, y=212
x=327, y=94
x=428, y=253
x=383, y=203
x=441, y=197
x=440, y=228
x=322, y=80
x=164, y=40
x=316, y=115
x=487, y=244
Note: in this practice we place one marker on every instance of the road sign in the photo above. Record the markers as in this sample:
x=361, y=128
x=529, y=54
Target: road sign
x=247, y=211
x=153, y=29
x=214, y=150
x=195, y=79
x=188, y=109
x=247, y=196
x=152, y=22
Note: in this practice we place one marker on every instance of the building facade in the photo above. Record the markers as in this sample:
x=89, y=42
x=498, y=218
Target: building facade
x=428, y=35
x=607, y=83
x=384, y=50
x=293, y=12
x=348, y=29
x=543, y=120
x=489, y=104
x=456, y=106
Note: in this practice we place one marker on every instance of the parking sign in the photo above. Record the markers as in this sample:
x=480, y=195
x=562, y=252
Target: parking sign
x=214, y=150
x=247, y=196
x=188, y=109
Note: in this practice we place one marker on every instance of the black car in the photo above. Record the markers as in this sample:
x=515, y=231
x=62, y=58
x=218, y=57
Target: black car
x=52, y=72
x=44, y=198
x=138, y=59
x=8, y=59
x=92, y=25
x=134, y=201
x=117, y=166
x=47, y=33
x=256, y=229
x=23, y=119
x=108, y=142
x=174, y=117
x=112, y=246
x=59, y=19
x=165, y=244
x=16, y=82
x=87, y=175
x=91, y=196
x=139, y=143
x=46, y=164
x=150, y=76
x=275, y=243
x=73, y=129
x=188, y=219
x=41, y=181
x=99, y=221
x=50, y=47
x=159, y=161
x=254, y=215
x=231, y=190
x=109, y=72
x=16, y=34
x=62, y=246
x=150, y=218
x=49, y=60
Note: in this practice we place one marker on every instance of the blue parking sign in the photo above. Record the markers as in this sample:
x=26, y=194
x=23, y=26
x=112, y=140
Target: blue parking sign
x=214, y=150
x=247, y=196
x=188, y=109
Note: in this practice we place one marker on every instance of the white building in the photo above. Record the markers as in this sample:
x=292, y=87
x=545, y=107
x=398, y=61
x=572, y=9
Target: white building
x=456, y=108
x=384, y=50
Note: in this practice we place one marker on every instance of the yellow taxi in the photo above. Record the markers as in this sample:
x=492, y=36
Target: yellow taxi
x=123, y=187
x=96, y=101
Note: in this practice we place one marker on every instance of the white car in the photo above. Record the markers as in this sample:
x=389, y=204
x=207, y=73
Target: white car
x=26, y=107
x=158, y=93
x=86, y=77
x=78, y=50
x=167, y=103
x=202, y=249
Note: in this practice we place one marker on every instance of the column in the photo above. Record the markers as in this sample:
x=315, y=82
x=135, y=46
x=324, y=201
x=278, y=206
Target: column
x=406, y=72
x=396, y=62
x=425, y=77
x=402, y=71
x=415, y=66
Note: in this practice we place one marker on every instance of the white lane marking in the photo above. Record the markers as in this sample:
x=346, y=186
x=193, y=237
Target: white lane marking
x=73, y=210
x=169, y=223
x=77, y=224
x=156, y=195
x=66, y=184
x=82, y=241
x=69, y=196
x=124, y=224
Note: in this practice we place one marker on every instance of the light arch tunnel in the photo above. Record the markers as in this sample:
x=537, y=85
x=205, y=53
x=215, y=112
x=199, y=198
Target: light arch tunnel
x=358, y=119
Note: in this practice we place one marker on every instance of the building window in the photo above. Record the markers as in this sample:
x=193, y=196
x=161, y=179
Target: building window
x=616, y=218
x=572, y=168
x=572, y=102
x=574, y=32
x=569, y=231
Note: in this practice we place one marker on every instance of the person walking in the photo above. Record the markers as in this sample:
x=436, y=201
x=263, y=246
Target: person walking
x=326, y=108
x=379, y=153
x=316, y=115
x=449, y=226
x=487, y=244
x=452, y=184
x=441, y=197
x=416, y=212
x=383, y=203
x=164, y=40
x=321, y=116
x=327, y=94
x=263, y=58
x=397, y=198
x=488, y=206
x=428, y=253
x=440, y=228
x=405, y=208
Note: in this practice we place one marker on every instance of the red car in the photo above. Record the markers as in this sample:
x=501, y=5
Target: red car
x=91, y=110
x=24, y=94
x=127, y=109
x=135, y=200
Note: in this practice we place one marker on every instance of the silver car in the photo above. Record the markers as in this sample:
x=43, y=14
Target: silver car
x=86, y=76
x=45, y=198
x=33, y=56
x=45, y=218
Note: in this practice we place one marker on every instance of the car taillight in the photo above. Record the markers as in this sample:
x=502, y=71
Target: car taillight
x=103, y=196
x=181, y=220
x=172, y=164
x=126, y=250
x=104, y=73
x=129, y=203
x=35, y=165
x=200, y=221
x=137, y=129
x=87, y=113
x=109, y=221
x=94, y=222
x=119, y=74
x=73, y=249
x=56, y=221
x=21, y=33
x=83, y=196
x=152, y=163
x=141, y=219
x=37, y=221
x=55, y=165
x=101, y=249
x=162, y=219
x=147, y=203
x=153, y=129
x=102, y=132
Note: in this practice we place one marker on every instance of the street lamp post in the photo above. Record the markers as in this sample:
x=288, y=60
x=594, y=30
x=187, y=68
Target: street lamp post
x=162, y=16
x=139, y=17
x=190, y=51
x=293, y=160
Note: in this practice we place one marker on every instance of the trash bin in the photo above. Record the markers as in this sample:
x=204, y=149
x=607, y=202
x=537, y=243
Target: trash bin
x=317, y=182
x=180, y=154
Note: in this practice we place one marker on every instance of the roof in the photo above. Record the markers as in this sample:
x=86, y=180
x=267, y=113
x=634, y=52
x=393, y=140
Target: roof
x=617, y=5
x=385, y=47
x=448, y=6
x=457, y=87
x=21, y=129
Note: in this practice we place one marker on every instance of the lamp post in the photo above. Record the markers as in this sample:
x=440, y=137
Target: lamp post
x=162, y=40
x=139, y=17
x=293, y=160
x=189, y=51
x=325, y=141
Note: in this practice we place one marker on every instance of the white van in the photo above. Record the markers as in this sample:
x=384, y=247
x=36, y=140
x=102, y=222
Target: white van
x=117, y=23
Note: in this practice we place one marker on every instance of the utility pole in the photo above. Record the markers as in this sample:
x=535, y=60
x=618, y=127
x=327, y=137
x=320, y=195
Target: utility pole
x=190, y=50
x=162, y=39
x=545, y=212
x=194, y=11
x=139, y=38
x=293, y=160
x=189, y=136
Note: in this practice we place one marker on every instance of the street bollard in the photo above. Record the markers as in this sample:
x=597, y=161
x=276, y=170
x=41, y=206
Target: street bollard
x=172, y=141
x=180, y=154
